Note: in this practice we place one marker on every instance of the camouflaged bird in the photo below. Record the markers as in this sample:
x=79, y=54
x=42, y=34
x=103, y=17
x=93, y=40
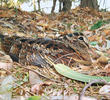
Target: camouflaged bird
x=66, y=49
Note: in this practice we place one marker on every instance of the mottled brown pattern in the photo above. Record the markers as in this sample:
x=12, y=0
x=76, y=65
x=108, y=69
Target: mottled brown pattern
x=31, y=51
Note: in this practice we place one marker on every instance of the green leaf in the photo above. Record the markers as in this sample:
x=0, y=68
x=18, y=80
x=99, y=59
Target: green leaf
x=22, y=1
x=34, y=98
x=94, y=43
x=68, y=72
x=69, y=25
x=75, y=89
x=26, y=77
x=97, y=25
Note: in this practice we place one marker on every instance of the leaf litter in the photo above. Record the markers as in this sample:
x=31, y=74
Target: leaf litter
x=95, y=25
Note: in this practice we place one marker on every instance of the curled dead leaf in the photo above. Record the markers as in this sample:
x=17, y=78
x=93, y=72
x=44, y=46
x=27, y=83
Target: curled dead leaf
x=102, y=60
x=107, y=69
x=107, y=32
x=37, y=88
x=105, y=91
x=93, y=38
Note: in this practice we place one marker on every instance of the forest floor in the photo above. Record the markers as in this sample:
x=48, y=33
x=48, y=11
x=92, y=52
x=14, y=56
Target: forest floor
x=32, y=80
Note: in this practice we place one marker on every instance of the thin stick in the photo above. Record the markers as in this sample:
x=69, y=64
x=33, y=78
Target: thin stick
x=40, y=74
x=89, y=84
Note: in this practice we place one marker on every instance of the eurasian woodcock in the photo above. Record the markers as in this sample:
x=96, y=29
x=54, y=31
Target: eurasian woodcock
x=66, y=49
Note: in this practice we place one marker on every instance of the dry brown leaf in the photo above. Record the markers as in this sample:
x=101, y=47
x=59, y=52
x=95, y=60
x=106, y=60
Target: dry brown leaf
x=107, y=69
x=71, y=97
x=107, y=32
x=6, y=65
x=37, y=83
x=19, y=98
x=6, y=13
x=105, y=91
x=34, y=78
x=37, y=88
x=102, y=60
x=93, y=38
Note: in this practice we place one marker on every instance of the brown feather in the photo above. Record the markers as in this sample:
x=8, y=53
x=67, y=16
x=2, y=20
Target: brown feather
x=65, y=49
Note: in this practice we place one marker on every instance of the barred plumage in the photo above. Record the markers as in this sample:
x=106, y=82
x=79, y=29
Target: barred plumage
x=31, y=51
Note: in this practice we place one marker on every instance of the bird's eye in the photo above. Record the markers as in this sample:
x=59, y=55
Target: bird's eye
x=80, y=38
x=70, y=35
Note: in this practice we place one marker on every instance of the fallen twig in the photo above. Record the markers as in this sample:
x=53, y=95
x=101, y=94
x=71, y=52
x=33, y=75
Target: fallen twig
x=89, y=84
x=39, y=73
